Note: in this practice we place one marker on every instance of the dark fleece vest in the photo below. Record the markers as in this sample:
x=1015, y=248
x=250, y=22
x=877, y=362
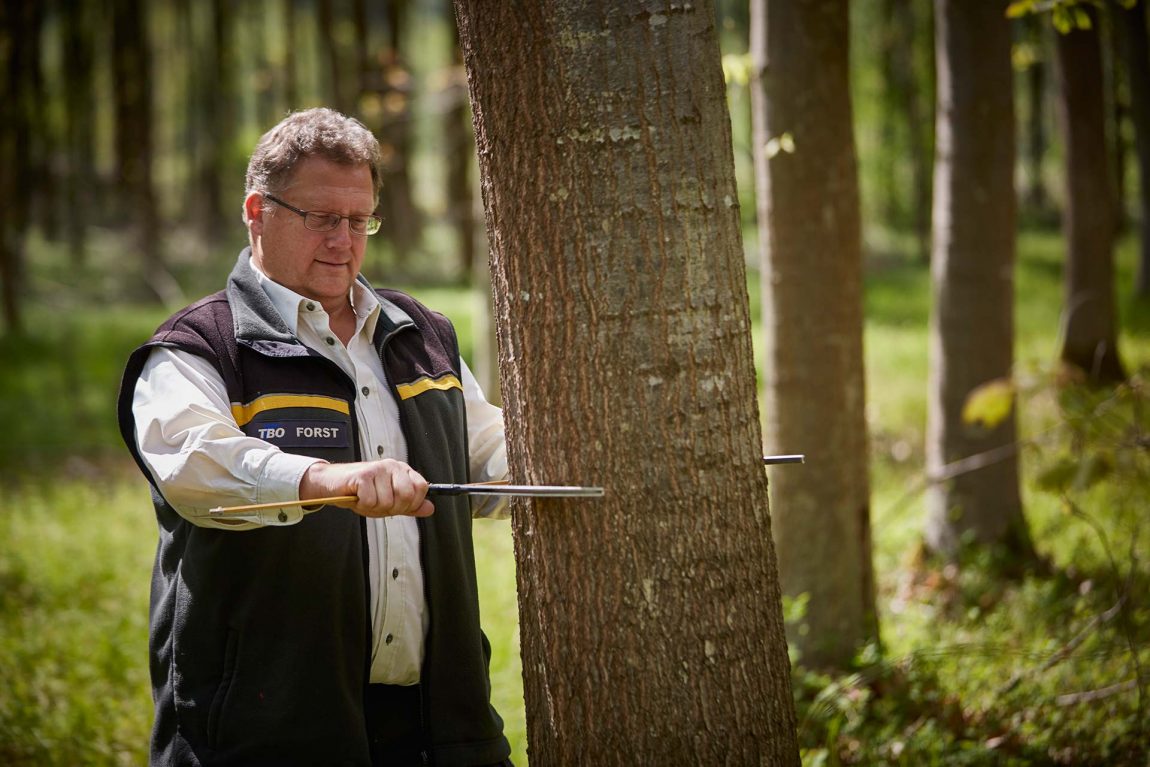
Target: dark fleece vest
x=260, y=639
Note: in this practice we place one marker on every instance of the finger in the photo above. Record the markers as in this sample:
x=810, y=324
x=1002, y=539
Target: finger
x=384, y=494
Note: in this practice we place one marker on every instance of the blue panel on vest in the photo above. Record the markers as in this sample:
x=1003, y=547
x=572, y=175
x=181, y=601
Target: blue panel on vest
x=303, y=433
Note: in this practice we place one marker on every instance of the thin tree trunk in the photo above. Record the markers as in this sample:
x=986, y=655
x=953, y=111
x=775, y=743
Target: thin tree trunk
x=132, y=68
x=608, y=179
x=920, y=118
x=972, y=322
x=291, y=76
x=15, y=151
x=1036, y=198
x=340, y=83
x=1090, y=332
x=80, y=26
x=811, y=241
x=1136, y=55
x=1114, y=75
x=459, y=149
x=402, y=220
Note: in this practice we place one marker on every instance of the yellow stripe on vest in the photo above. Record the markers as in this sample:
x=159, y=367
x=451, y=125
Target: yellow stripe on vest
x=245, y=413
x=443, y=383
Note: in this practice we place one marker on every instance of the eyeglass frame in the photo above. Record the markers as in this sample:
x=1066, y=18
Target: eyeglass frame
x=368, y=218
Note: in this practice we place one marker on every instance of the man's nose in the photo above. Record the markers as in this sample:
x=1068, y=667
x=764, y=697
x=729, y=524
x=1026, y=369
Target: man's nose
x=340, y=237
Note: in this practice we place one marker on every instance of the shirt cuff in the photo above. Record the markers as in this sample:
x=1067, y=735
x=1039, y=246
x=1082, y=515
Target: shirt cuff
x=279, y=482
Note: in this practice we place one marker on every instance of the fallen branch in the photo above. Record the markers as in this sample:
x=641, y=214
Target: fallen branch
x=1087, y=696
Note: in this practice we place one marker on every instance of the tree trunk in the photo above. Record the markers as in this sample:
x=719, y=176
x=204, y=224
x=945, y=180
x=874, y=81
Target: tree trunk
x=20, y=23
x=1090, y=331
x=291, y=76
x=401, y=217
x=972, y=271
x=339, y=83
x=1117, y=104
x=651, y=621
x=459, y=151
x=80, y=25
x=131, y=69
x=1136, y=55
x=1035, y=197
x=920, y=117
x=811, y=251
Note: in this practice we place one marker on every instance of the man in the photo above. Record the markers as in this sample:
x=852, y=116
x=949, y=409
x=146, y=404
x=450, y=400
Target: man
x=303, y=635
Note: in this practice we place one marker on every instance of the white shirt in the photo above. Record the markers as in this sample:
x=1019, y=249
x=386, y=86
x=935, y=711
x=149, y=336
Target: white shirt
x=200, y=459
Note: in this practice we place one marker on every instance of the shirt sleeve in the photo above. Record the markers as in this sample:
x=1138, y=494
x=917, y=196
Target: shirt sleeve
x=197, y=454
x=487, y=445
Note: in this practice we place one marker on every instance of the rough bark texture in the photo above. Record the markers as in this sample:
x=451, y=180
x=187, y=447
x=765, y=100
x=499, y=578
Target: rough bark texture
x=1090, y=333
x=972, y=319
x=812, y=322
x=651, y=622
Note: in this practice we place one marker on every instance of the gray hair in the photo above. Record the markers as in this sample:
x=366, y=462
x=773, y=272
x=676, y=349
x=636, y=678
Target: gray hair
x=318, y=132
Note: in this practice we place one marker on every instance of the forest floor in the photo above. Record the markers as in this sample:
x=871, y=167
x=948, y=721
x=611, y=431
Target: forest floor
x=980, y=663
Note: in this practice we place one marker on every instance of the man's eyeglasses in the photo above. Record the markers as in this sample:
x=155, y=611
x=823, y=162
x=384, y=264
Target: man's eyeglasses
x=318, y=221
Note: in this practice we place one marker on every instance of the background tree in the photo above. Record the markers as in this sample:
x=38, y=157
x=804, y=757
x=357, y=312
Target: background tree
x=1033, y=58
x=80, y=25
x=1090, y=335
x=608, y=182
x=906, y=121
x=21, y=26
x=1136, y=57
x=811, y=261
x=972, y=322
x=131, y=67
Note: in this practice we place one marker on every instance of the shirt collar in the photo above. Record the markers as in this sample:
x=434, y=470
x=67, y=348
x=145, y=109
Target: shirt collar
x=289, y=304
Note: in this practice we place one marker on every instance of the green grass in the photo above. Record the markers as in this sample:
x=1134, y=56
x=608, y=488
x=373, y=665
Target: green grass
x=77, y=538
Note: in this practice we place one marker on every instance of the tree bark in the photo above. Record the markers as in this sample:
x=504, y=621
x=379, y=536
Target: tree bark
x=340, y=84
x=972, y=319
x=402, y=221
x=811, y=253
x=1090, y=332
x=1136, y=55
x=1035, y=196
x=20, y=24
x=291, y=76
x=131, y=69
x=651, y=621
x=80, y=25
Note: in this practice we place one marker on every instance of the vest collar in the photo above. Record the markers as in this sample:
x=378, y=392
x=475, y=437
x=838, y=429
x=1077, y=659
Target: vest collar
x=259, y=325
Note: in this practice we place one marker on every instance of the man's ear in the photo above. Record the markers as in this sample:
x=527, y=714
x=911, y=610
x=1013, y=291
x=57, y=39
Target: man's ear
x=253, y=212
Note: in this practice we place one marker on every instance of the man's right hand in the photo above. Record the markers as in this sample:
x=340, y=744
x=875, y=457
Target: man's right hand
x=385, y=488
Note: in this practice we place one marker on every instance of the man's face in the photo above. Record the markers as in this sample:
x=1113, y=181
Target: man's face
x=318, y=265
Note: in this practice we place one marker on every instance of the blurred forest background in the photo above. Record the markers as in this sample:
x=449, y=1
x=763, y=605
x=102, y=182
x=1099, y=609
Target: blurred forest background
x=126, y=130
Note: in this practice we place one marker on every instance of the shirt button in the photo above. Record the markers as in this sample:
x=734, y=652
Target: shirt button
x=395, y=572
x=330, y=341
x=379, y=450
x=365, y=390
x=388, y=639
x=310, y=306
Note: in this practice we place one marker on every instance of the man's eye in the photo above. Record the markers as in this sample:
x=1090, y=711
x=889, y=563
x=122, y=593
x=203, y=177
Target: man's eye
x=324, y=220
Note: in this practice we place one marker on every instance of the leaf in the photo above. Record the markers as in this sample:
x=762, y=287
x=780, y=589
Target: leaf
x=1057, y=477
x=781, y=143
x=1019, y=8
x=990, y=403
